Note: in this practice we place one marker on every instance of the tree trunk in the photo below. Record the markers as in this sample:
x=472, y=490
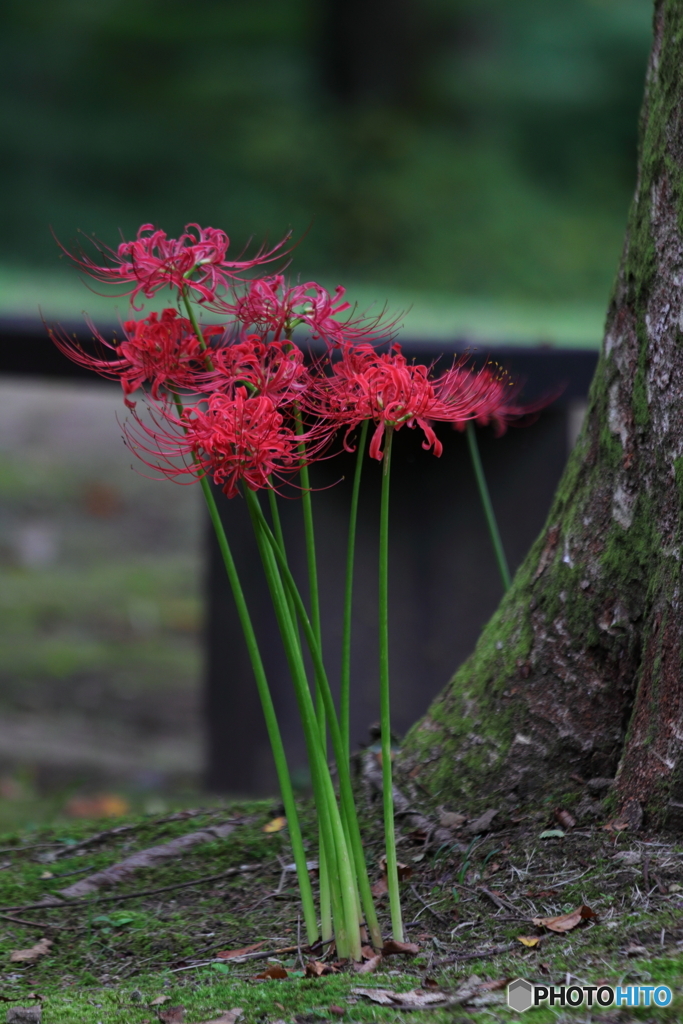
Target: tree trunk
x=579, y=674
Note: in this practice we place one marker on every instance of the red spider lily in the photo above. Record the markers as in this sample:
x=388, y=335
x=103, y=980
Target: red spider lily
x=160, y=350
x=275, y=369
x=491, y=392
x=231, y=439
x=196, y=262
x=272, y=307
x=386, y=389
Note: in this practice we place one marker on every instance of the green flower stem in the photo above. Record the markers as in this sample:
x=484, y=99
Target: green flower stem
x=307, y=508
x=308, y=905
x=341, y=873
x=272, y=728
x=345, y=786
x=277, y=528
x=490, y=515
x=384, y=702
x=345, y=679
x=195, y=326
x=314, y=598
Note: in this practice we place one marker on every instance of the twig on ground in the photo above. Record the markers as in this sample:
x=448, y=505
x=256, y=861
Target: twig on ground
x=261, y=955
x=28, y=924
x=500, y=903
x=480, y=955
x=427, y=906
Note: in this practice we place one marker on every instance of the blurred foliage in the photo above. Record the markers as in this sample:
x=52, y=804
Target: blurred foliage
x=476, y=146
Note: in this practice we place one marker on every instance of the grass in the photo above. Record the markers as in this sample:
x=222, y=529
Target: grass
x=112, y=957
x=428, y=315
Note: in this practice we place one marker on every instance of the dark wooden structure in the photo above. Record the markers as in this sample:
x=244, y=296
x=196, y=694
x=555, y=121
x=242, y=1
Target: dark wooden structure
x=444, y=583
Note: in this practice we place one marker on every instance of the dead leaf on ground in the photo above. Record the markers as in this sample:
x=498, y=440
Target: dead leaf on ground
x=616, y=825
x=450, y=819
x=316, y=969
x=105, y=805
x=228, y=954
x=430, y=984
x=227, y=1017
x=40, y=949
x=493, y=986
x=635, y=950
x=368, y=966
x=416, y=999
x=565, y=922
x=564, y=817
x=338, y=1011
x=276, y=825
x=275, y=971
x=367, y=952
x=404, y=872
x=159, y=1000
x=24, y=1014
x=173, y=1015
x=391, y=946
x=529, y=940
x=483, y=823
x=380, y=887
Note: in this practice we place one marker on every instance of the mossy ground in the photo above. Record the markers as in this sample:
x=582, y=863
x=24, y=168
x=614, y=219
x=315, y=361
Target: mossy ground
x=111, y=957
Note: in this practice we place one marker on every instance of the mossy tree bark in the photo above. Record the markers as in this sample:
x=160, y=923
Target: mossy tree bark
x=580, y=671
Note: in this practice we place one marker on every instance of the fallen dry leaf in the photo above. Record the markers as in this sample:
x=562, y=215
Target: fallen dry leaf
x=404, y=871
x=416, y=999
x=493, y=986
x=565, y=922
x=380, y=887
x=449, y=819
x=391, y=946
x=106, y=805
x=635, y=950
x=159, y=1000
x=47, y=874
x=227, y=1017
x=228, y=954
x=276, y=825
x=529, y=940
x=173, y=1015
x=40, y=949
x=431, y=984
x=338, y=1011
x=316, y=969
x=483, y=823
x=367, y=952
x=564, y=817
x=616, y=825
x=274, y=971
x=24, y=1014
x=368, y=966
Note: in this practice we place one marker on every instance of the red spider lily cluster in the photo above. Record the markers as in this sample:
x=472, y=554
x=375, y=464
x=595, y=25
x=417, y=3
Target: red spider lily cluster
x=237, y=401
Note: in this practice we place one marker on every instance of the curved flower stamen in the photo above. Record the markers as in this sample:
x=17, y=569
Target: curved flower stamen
x=272, y=307
x=162, y=350
x=196, y=261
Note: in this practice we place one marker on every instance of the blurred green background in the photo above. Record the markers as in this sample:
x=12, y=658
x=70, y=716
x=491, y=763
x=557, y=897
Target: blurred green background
x=472, y=157
x=471, y=161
